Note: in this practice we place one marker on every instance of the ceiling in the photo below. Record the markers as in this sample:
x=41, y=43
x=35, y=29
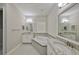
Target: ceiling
x=35, y=9
x=73, y=10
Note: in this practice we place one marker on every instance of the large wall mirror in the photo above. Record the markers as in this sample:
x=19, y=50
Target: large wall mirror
x=68, y=23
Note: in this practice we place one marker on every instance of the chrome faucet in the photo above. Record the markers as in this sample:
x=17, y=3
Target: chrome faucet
x=69, y=44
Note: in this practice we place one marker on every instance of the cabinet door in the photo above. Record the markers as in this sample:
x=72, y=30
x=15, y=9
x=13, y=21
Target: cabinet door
x=27, y=38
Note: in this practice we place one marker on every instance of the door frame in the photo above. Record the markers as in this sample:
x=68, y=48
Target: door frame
x=3, y=7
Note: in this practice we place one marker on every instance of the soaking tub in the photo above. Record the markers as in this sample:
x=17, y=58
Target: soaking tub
x=40, y=44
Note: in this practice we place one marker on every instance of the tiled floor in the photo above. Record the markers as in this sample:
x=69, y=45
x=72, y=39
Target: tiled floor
x=25, y=49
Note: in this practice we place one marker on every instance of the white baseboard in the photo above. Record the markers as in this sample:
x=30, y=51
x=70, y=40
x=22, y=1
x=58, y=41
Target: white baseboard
x=14, y=49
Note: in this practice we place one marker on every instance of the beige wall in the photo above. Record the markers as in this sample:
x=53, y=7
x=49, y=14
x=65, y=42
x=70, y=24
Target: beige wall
x=14, y=22
x=52, y=21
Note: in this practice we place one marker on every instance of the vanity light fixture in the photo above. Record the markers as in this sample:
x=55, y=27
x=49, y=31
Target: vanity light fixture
x=64, y=20
x=29, y=20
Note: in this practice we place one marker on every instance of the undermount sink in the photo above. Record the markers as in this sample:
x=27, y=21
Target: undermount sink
x=62, y=49
x=74, y=51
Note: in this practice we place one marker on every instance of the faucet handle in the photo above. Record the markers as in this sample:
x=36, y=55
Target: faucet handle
x=67, y=43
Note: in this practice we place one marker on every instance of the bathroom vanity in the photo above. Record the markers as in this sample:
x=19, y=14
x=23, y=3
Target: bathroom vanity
x=27, y=37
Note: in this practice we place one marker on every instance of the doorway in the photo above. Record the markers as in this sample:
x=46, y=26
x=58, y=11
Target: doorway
x=1, y=31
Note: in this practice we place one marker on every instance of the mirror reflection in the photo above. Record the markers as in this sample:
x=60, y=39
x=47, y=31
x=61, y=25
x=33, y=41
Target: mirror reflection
x=69, y=23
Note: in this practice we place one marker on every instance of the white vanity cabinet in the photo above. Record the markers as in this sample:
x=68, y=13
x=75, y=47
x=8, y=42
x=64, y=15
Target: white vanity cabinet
x=27, y=37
